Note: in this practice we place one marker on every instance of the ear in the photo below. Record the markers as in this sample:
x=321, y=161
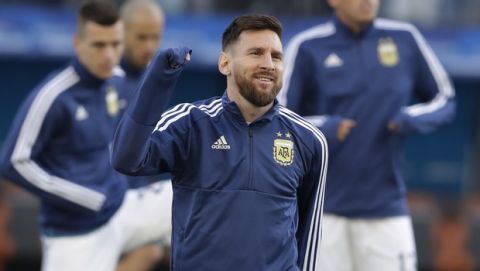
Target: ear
x=224, y=63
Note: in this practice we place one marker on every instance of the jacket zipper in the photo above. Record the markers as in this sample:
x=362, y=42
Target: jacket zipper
x=250, y=170
x=361, y=61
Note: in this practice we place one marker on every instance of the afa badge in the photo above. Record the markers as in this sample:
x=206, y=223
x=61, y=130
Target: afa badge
x=112, y=102
x=387, y=52
x=283, y=151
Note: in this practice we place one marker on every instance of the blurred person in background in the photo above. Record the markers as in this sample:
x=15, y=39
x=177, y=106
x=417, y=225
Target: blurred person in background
x=354, y=77
x=144, y=23
x=58, y=149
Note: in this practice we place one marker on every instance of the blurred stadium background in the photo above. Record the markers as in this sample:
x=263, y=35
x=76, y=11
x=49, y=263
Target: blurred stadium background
x=443, y=169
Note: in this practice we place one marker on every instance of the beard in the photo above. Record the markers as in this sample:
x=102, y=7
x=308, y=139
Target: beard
x=255, y=96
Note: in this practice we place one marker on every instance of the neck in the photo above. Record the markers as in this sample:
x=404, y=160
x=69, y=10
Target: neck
x=86, y=76
x=131, y=70
x=250, y=112
x=355, y=27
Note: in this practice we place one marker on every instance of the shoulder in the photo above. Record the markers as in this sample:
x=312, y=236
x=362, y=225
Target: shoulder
x=311, y=136
x=47, y=100
x=308, y=39
x=316, y=32
x=118, y=72
x=182, y=115
x=119, y=79
x=54, y=87
x=406, y=32
x=396, y=27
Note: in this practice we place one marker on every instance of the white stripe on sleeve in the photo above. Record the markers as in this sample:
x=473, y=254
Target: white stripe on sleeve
x=168, y=117
x=293, y=46
x=314, y=235
x=445, y=89
x=29, y=131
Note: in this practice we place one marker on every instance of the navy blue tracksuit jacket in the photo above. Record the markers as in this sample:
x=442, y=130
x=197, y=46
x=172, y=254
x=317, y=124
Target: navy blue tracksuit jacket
x=370, y=77
x=58, y=149
x=246, y=197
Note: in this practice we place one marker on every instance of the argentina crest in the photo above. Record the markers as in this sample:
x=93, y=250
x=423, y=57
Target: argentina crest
x=387, y=52
x=283, y=150
x=112, y=101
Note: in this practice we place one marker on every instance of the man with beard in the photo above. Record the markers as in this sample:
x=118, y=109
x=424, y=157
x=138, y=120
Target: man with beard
x=247, y=174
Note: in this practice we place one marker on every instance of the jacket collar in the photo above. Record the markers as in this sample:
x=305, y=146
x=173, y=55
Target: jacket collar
x=86, y=77
x=346, y=31
x=232, y=108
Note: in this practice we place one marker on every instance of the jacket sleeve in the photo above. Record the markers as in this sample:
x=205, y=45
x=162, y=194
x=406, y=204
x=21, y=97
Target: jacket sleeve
x=433, y=89
x=310, y=205
x=299, y=89
x=141, y=150
x=37, y=121
x=138, y=148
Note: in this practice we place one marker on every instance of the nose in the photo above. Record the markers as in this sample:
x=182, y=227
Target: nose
x=267, y=63
x=151, y=45
x=109, y=52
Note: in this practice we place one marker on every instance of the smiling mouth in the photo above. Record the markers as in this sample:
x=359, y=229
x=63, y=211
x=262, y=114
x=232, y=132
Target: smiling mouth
x=266, y=78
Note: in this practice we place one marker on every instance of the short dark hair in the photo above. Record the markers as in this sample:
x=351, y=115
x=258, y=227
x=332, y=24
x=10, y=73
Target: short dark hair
x=102, y=12
x=250, y=22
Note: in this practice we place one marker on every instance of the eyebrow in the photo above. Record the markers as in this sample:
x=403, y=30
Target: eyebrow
x=277, y=52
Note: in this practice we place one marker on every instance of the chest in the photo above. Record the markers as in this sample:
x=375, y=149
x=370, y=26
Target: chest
x=92, y=118
x=374, y=67
x=264, y=158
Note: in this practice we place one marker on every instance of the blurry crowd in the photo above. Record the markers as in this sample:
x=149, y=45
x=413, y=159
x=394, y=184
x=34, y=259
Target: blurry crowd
x=425, y=12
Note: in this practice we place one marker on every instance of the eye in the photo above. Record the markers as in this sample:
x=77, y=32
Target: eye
x=255, y=52
x=98, y=45
x=116, y=44
x=142, y=37
x=277, y=56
